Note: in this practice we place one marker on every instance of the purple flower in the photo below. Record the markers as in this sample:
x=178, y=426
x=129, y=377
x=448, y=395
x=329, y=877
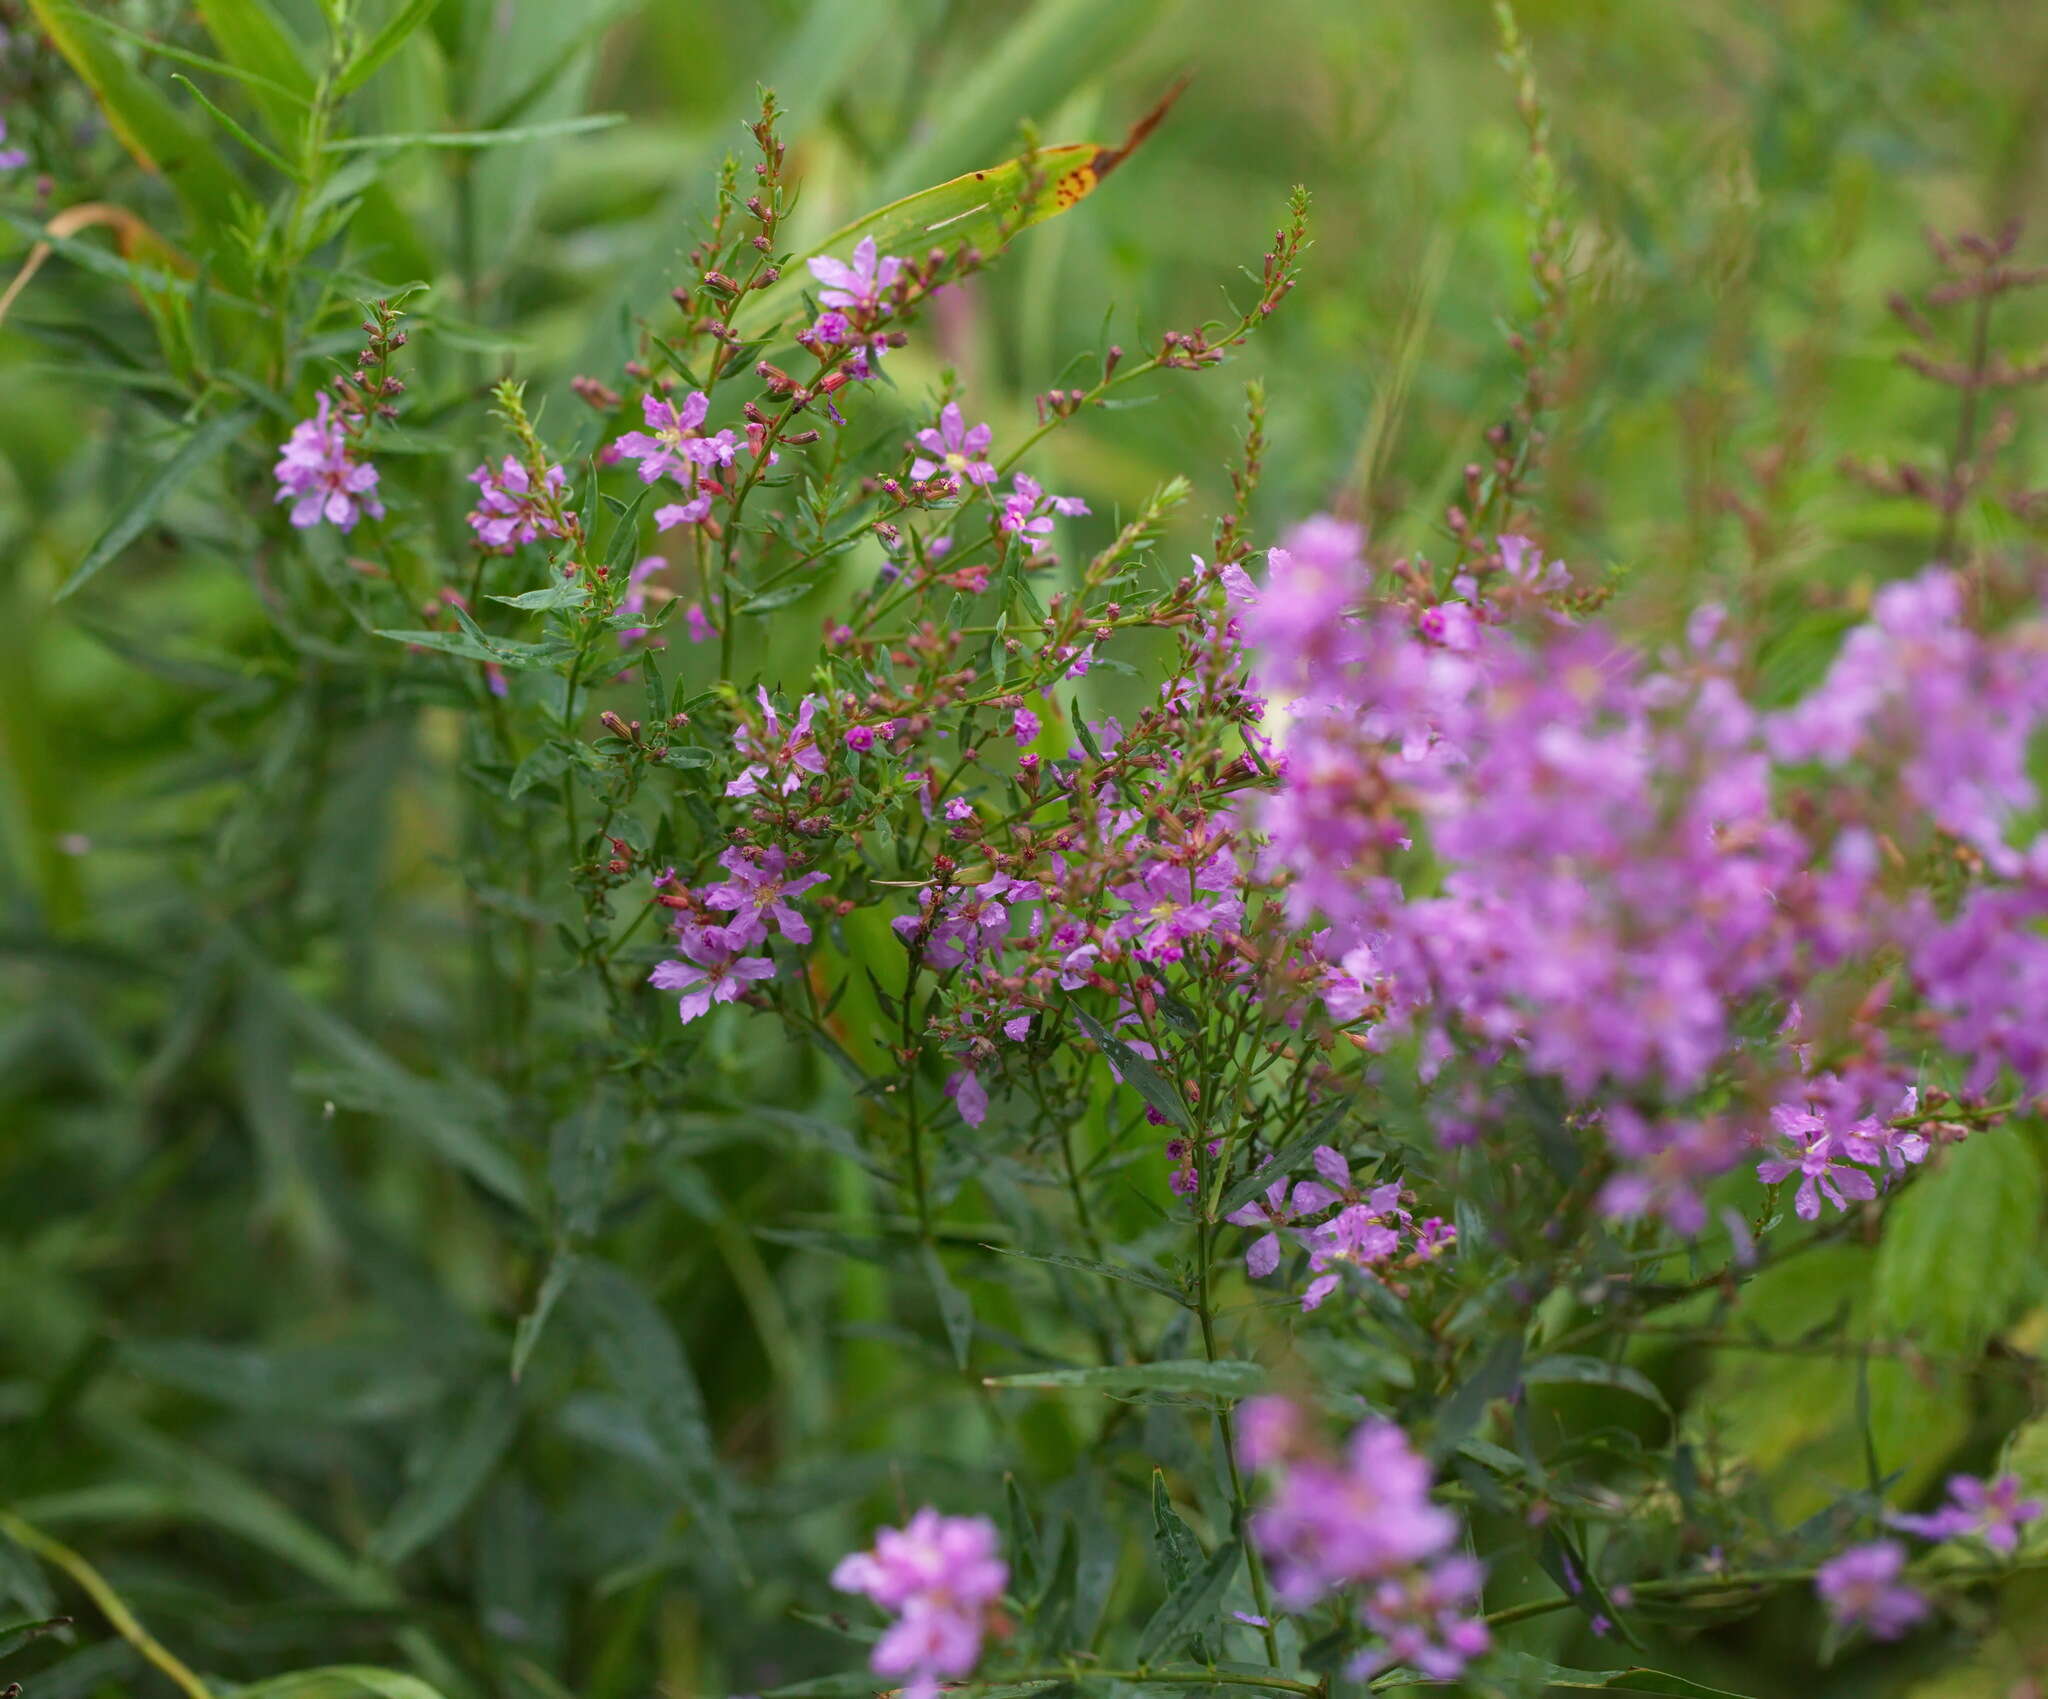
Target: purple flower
x=670, y=445
x=943, y=1578
x=510, y=511
x=692, y=512
x=857, y=288
x=1023, y=725
x=714, y=973
x=318, y=475
x=1991, y=1511
x=1820, y=1158
x=11, y=158
x=831, y=331
x=969, y=1096
x=955, y=449
x=1450, y=625
x=1297, y=620
x=1331, y=1524
x=759, y=891
x=1271, y=1212
x=1524, y=563
x=1027, y=511
x=1268, y=1430
x=792, y=755
x=1425, y=1619
x=1861, y=1589
x=1355, y=1237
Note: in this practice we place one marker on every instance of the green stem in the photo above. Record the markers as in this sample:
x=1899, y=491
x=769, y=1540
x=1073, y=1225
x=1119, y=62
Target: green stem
x=110, y=1603
x=1226, y=1433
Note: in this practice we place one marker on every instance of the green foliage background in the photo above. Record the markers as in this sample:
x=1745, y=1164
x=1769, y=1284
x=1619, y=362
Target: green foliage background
x=274, y=1196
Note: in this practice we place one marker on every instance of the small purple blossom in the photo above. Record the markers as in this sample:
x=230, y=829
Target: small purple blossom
x=1027, y=510
x=791, y=755
x=859, y=287
x=671, y=444
x=969, y=1096
x=715, y=971
x=955, y=448
x=319, y=475
x=509, y=511
x=1861, y=1589
x=1821, y=1159
x=760, y=890
x=1991, y=1511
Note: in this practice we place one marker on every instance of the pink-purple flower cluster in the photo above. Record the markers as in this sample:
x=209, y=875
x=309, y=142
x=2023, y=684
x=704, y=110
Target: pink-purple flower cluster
x=1864, y=1587
x=1364, y=1525
x=674, y=446
x=942, y=1578
x=1532, y=845
x=1366, y=1230
x=510, y=510
x=1861, y=1589
x=714, y=964
x=318, y=473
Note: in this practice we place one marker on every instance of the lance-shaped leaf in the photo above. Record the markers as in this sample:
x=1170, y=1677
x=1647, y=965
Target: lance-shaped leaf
x=981, y=209
x=1226, y=1378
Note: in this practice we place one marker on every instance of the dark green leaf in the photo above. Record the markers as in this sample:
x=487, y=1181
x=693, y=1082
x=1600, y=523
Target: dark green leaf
x=1191, y=1606
x=646, y=1363
x=201, y=446
x=1108, y=1270
x=452, y=1475
x=1138, y=1073
x=1593, y=1371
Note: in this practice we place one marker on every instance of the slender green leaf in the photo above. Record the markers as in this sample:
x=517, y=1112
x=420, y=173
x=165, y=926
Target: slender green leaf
x=553, y=129
x=561, y=1269
x=384, y=43
x=1137, y=1073
x=1593, y=1371
x=646, y=1363
x=234, y=127
x=18, y=1634
x=955, y=1311
x=144, y=120
x=1108, y=1270
x=1225, y=1378
x=340, y=1681
x=251, y=35
x=552, y=596
x=453, y=1474
x=205, y=442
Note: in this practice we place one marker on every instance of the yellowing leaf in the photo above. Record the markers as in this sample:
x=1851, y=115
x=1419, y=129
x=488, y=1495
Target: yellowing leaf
x=980, y=209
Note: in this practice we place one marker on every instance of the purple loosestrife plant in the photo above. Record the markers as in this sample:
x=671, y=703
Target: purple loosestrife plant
x=1247, y=974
